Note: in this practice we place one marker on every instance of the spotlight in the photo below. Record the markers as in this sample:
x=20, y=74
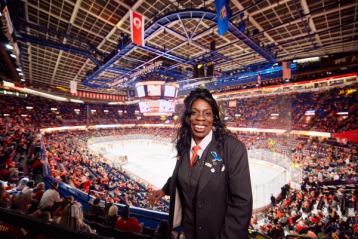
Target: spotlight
x=9, y=47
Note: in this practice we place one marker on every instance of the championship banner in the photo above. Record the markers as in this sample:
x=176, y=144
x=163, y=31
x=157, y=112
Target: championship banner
x=259, y=78
x=222, y=15
x=286, y=70
x=73, y=87
x=137, y=28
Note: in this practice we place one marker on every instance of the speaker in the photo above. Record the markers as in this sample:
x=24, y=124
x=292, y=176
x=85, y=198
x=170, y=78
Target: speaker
x=213, y=45
x=210, y=69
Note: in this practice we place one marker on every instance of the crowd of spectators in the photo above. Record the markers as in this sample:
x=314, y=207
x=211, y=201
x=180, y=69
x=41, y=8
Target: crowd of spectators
x=71, y=162
x=327, y=110
x=316, y=110
x=326, y=203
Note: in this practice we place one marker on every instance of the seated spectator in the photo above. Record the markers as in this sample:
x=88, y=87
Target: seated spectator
x=112, y=216
x=126, y=223
x=72, y=218
x=163, y=231
x=50, y=197
x=95, y=208
x=22, y=203
x=4, y=197
x=39, y=191
x=58, y=213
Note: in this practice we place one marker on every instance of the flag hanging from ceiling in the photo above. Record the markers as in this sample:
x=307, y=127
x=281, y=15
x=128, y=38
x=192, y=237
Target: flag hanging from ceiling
x=286, y=70
x=259, y=78
x=242, y=24
x=222, y=15
x=137, y=28
x=73, y=87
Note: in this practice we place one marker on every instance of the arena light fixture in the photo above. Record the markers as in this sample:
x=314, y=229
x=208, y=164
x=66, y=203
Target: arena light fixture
x=308, y=59
x=9, y=47
x=310, y=113
x=275, y=114
x=6, y=115
x=105, y=111
x=13, y=55
x=23, y=80
x=18, y=69
x=24, y=115
x=8, y=84
x=21, y=74
x=41, y=94
x=29, y=107
x=77, y=110
x=77, y=101
x=342, y=113
x=237, y=115
x=53, y=109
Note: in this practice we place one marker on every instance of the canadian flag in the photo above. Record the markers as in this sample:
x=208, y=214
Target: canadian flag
x=137, y=28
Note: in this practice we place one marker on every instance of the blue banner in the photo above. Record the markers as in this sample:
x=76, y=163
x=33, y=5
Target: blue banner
x=223, y=15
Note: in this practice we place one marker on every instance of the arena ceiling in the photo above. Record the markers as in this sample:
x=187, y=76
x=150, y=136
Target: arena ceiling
x=66, y=40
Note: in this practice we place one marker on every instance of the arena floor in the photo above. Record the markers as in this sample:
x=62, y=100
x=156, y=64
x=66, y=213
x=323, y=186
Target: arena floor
x=154, y=162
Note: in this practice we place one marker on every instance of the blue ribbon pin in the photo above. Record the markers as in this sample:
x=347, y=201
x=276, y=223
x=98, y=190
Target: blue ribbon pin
x=216, y=157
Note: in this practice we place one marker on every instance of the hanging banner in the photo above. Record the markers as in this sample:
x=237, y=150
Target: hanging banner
x=73, y=87
x=222, y=15
x=137, y=28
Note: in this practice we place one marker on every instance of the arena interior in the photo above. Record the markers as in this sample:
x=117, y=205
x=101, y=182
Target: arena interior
x=89, y=113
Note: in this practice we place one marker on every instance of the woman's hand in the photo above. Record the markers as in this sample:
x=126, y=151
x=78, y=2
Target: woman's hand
x=154, y=196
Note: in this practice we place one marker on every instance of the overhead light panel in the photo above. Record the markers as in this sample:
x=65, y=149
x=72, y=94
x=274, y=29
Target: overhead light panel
x=77, y=101
x=13, y=55
x=310, y=112
x=308, y=59
x=9, y=47
x=18, y=69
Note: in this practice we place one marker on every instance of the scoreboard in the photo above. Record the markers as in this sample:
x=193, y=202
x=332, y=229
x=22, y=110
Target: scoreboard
x=156, y=98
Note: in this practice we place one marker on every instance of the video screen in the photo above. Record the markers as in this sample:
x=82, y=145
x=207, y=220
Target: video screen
x=166, y=106
x=144, y=107
x=153, y=90
x=169, y=91
x=140, y=91
x=157, y=106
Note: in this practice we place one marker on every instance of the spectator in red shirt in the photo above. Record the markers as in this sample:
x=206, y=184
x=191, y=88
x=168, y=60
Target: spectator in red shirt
x=126, y=223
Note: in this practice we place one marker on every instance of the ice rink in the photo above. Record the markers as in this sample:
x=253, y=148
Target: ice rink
x=154, y=162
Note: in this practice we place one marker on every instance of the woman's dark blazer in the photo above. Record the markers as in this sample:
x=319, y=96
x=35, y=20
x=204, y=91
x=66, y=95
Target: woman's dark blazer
x=223, y=198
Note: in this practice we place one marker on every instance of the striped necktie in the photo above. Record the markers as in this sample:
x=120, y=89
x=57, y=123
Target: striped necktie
x=193, y=158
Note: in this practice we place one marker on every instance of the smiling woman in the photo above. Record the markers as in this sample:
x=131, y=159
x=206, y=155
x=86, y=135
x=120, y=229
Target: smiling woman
x=210, y=189
x=201, y=120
